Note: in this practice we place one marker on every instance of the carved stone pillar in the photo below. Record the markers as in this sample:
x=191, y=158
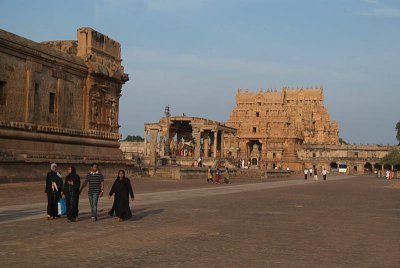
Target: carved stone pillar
x=222, y=141
x=153, y=146
x=145, y=143
x=161, y=144
x=215, y=143
x=206, y=144
x=167, y=151
x=178, y=140
x=196, y=135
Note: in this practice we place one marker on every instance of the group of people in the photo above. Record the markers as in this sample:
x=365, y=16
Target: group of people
x=218, y=176
x=314, y=172
x=389, y=174
x=71, y=189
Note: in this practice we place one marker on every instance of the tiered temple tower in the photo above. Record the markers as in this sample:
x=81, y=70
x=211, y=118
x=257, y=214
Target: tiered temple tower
x=272, y=125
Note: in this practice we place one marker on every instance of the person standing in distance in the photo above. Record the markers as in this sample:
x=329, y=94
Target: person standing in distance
x=96, y=189
x=324, y=172
x=305, y=173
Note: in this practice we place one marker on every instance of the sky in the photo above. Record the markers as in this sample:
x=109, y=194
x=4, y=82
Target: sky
x=193, y=54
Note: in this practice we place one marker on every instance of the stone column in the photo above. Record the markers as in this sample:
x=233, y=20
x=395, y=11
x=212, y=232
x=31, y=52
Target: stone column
x=222, y=140
x=215, y=143
x=206, y=144
x=145, y=142
x=196, y=135
x=166, y=142
x=178, y=139
x=161, y=143
x=153, y=146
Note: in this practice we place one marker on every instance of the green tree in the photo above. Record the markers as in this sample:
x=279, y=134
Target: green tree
x=342, y=141
x=133, y=138
x=398, y=132
x=392, y=158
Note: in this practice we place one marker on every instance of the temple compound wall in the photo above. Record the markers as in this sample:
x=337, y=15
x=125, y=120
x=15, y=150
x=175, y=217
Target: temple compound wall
x=355, y=158
x=183, y=139
x=59, y=101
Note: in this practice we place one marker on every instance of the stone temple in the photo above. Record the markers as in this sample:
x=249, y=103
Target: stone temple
x=269, y=130
x=59, y=101
x=273, y=125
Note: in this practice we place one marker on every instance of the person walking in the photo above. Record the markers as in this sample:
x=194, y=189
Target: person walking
x=53, y=190
x=71, y=192
x=96, y=189
x=324, y=172
x=305, y=173
x=122, y=188
x=311, y=172
x=227, y=177
x=315, y=174
x=209, y=175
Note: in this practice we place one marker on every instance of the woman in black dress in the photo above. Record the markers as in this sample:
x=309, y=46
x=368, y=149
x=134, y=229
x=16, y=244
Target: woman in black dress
x=122, y=188
x=71, y=192
x=53, y=190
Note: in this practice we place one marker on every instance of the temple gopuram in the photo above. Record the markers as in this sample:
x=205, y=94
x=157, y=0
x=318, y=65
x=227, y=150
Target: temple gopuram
x=292, y=129
x=59, y=102
x=273, y=125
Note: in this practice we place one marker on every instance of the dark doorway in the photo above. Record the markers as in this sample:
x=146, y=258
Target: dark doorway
x=368, y=167
x=334, y=166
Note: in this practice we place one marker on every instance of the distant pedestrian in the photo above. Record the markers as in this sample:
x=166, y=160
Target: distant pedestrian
x=53, y=190
x=122, y=188
x=311, y=172
x=218, y=176
x=387, y=174
x=324, y=172
x=226, y=177
x=315, y=174
x=96, y=189
x=391, y=174
x=71, y=192
x=209, y=175
x=305, y=173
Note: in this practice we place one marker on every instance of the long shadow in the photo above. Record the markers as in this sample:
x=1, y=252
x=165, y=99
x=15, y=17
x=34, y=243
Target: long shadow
x=137, y=214
x=144, y=213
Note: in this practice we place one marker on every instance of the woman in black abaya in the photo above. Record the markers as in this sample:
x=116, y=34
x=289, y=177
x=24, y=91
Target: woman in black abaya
x=71, y=192
x=122, y=188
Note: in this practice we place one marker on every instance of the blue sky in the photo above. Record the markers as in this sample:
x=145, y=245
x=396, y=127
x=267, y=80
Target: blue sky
x=194, y=54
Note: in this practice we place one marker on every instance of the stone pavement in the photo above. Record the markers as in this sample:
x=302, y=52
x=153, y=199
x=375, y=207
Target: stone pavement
x=342, y=222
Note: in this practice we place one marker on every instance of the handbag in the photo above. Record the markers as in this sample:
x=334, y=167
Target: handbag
x=62, y=208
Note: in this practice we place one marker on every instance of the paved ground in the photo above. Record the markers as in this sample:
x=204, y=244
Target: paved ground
x=342, y=222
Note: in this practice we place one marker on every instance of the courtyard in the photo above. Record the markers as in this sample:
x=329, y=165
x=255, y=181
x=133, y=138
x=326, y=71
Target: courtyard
x=346, y=221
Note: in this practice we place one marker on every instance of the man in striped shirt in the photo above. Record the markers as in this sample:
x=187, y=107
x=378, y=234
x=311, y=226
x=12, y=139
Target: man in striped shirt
x=96, y=188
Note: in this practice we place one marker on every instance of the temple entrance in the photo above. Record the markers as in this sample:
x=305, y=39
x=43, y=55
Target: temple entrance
x=254, y=150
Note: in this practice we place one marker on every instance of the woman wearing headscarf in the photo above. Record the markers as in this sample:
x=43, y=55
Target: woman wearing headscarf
x=71, y=192
x=122, y=188
x=53, y=191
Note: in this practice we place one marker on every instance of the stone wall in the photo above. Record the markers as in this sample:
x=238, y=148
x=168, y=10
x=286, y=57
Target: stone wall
x=59, y=100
